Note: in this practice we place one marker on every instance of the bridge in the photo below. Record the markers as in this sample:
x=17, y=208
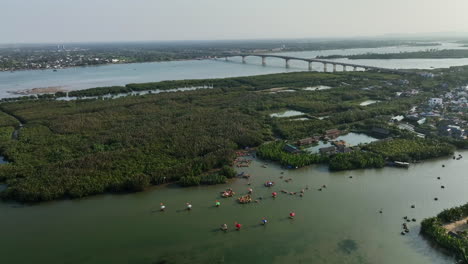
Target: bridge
x=325, y=63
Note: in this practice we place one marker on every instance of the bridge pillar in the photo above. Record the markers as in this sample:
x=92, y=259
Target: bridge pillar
x=286, y=63
x=355, y=68
x=334, y=67
x=226, y=58
x=310, y=66
x=344, y=68
x=263, y=61
x=243, y=59
x=324, y=67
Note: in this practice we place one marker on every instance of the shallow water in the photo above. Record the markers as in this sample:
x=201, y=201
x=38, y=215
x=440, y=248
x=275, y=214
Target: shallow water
x=368, y=102
x=340, y=224
x=287, y=113
x=317, y=88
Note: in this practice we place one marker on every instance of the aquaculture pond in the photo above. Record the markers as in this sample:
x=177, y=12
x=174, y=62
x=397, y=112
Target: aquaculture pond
x=353, y=139
x=368, y=102
x=287, y=113
x=340, y=224
x=317, y=88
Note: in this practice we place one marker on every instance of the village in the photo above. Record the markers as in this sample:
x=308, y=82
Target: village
x=443, y=116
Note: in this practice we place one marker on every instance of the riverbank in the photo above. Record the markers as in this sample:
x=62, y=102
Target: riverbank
x=53, y=59
x=42, y=90
x=132, y=142
x=429, y=54
x=442, y=230
x=339, y=224
x=457, y=226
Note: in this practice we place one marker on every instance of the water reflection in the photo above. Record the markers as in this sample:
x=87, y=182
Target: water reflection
x=353, y=139
x=287, y=113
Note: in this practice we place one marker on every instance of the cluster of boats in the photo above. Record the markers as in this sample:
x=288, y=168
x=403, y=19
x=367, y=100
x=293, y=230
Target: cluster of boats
x=227, y=193
x=242, y=162
x=245, y=199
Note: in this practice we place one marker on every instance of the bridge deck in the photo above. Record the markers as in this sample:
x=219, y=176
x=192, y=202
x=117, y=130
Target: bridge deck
x=316, y=60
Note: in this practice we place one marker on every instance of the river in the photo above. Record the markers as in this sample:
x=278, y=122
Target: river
x=121, y=74
x=340, y=224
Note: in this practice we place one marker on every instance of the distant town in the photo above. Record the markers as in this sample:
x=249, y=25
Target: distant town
x=59, y=56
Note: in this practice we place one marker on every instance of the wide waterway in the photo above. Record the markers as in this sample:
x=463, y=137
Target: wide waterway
x=121, y=74
x=340, y=224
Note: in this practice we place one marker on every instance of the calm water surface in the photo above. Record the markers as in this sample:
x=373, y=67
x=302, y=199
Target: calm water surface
x=353, y=139
x=287, y=113
x=340, y=224
x=121, y=74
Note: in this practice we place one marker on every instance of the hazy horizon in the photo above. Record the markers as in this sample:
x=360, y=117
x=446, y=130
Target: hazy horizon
x=65, y=21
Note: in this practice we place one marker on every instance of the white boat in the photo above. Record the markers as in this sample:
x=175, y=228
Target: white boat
x=401, y=164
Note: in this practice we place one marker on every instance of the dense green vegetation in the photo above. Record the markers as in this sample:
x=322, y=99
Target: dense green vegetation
x=428, y=54
x=410, y=149
x=274, y=151
x=433, y=228
x=210, y=178
x=7, y=120
x=356, y=160
x=74, y=149
x=83, y=147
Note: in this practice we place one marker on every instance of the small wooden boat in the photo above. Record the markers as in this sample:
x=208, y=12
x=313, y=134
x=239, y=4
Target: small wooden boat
x=244, y=175
x=269, y=184
x=401, y=164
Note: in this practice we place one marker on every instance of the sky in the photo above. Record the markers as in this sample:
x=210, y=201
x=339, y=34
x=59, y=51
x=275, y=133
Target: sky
x=32, y=21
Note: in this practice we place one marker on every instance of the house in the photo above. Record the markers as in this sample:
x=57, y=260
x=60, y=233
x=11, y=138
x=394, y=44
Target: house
x=398, y=118
x=291, y=149
x=338, y=143
x=332, y=133
x=328, y=150
x=426, y=75
x=381, y=132
x=456, y=131
x=307, y=141
x=403, y=82
x=413, y=117
x=407, y=127
x=435, y=102
x=343, y=149
x=409, y=93
x=430, y=114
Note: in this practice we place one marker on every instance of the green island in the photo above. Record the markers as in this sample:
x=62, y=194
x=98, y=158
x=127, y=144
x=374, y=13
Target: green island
x=69, y=149
x=428, y=54
x=449, y=230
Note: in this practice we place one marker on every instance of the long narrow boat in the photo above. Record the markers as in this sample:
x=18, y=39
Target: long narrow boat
x=401, y=164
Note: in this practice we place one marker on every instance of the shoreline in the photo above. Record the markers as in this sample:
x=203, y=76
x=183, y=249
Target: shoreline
x=40, y=90
x=454, y=226
x=210, y=58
